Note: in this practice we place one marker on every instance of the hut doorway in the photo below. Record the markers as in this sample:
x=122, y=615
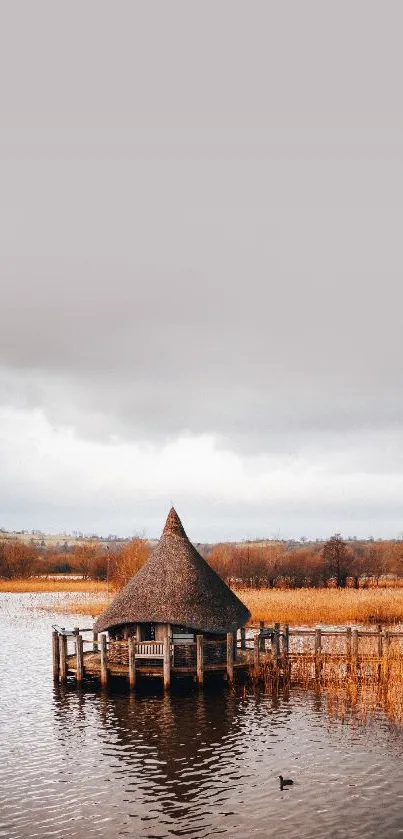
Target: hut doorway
x=148, y=631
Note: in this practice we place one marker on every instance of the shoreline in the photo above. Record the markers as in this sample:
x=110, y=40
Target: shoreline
x=293, y=606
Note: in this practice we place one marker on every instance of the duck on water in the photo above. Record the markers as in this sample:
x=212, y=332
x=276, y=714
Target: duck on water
x=285, y=782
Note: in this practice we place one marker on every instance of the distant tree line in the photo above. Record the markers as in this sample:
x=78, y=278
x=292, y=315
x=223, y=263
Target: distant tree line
x=333, y=563
x=266, y=565
x=89, y=560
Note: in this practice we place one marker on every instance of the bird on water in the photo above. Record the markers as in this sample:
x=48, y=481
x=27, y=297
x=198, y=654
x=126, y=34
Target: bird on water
x=285, y=782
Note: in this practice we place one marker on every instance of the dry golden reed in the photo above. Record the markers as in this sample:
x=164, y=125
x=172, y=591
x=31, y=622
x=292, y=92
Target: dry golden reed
x=83, y=607
x=373, y=686
x=352, y=689
x=324, y=606
x=297, y=607
x=49, y=584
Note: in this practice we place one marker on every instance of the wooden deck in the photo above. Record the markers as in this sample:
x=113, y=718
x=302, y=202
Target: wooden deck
x=269, y=653
x=92, y=667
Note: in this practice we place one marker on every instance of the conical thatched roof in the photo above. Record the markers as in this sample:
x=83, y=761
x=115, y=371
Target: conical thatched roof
x=177, y=586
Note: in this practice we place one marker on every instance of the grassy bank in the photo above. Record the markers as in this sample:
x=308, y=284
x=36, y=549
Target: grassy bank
x=48, y=584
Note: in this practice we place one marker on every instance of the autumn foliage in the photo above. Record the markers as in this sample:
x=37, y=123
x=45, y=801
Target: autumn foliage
x=17, y=559
x=272, y=564
x=334, y=563
x=127, y=561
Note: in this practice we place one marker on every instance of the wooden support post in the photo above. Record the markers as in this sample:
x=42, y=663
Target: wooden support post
x=63, y=658
x=234, y=645
x=55, y=653
x=286, y=639
x=386, y=650
x=230, y=656
x=354, y=650
x=380, y=641
x=318, y=653
x=262, y=639
x=79, y=659
x=286, y=659
x=95, y=642
x=380, y=651
x=348, y=649
x=167, y=658
x=132, y=662
x=199, y=660
x=256, y=651
x=104, y=660
x=276, y=641
x=243, y=638
x=348, y=642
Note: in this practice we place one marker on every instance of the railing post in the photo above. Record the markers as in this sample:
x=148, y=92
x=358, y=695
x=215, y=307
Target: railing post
x=256, y=651
x=104, y=660
x=262, y=639
x=318, y=653
x=386, y=652
x=354, y=650
x=63, y=658
x=234, y=645
x=95, y=642
x=55, y=655
x=380, y=641
x=230, y=656
x=132, y=663
x=243, y=638
x=286, y=660
x=286, y=639
x=167, y=659
x=348, y=649
x=79, y=659
x=276, y=641
x=199, y=660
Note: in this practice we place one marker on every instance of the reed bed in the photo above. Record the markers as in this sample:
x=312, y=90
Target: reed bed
x=297, y=607
x=352, y=690
x=307, y=607
x=82, y=607
x=49, y=584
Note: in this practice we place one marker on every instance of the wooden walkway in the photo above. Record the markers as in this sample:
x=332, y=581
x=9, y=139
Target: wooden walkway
x=277, y=651
x=92, y=667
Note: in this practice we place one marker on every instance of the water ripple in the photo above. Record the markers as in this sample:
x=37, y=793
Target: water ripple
x=77, y=764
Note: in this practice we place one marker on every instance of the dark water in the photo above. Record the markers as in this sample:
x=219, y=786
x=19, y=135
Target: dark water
x=81, y=764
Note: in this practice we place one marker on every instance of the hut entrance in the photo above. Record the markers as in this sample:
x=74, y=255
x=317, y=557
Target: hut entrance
x=148, y=631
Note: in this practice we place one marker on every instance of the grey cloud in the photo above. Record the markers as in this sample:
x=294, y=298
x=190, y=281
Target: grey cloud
x=200, y=221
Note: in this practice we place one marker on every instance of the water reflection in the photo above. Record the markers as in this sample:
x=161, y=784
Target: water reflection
x=171, y=752
x=194, y=765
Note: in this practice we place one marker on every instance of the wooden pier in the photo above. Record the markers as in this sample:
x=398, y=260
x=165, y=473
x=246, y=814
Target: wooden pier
x=256, y=651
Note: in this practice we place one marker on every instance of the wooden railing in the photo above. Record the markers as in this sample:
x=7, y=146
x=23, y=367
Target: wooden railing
x=274, y=644
x=184, y=655
x=214, y=652
x=348, y=644
x=149, y=649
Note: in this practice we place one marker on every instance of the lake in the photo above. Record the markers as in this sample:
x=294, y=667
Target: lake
x=78, y=764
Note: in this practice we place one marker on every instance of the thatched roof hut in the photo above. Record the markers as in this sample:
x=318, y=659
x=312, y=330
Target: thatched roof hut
x=176, y=586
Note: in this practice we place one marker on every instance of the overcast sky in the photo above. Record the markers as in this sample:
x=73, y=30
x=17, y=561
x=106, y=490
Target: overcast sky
x=201, y=267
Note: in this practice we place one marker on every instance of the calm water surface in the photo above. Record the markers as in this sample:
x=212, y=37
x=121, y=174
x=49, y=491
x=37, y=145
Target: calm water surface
x=82, y=764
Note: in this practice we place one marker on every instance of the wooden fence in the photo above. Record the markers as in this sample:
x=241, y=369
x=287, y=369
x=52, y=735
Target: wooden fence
x=249, y=649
